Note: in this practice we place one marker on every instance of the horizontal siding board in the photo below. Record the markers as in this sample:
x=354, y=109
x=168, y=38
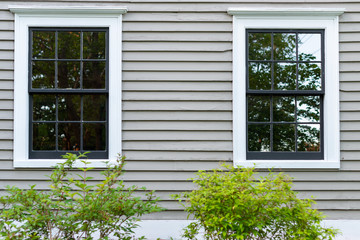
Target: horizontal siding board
x=6, y=135
x=6, y=45
x=175, y=106
x=178, y=145
x=177, y=56
x=349, y=106
x=6, y=104
x=350, y=126
x=177, y=66
x=173, y=136
x=6, y=115
x=177, y=96
x=177, y=17
x=177, y=125
x=350, y=96
x=176, y=76
x=6, y=144
x=349, y=37
x=176, y=46
x=176, y=115
x=6, y=55
x=349, y=116
x=350, y=86
x=177, y=86
x=176, y=37
x=6, y=124
x=350, y=66
x=176, y=27
x=348, y=77
x=350, y=136
x=178, y=156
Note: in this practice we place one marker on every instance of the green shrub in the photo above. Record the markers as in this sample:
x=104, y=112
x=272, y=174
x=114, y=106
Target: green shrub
x=75, y=207
x=234, y=204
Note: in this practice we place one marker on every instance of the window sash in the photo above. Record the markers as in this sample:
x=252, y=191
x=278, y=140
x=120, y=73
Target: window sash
x=56, y=154
x=285, y=155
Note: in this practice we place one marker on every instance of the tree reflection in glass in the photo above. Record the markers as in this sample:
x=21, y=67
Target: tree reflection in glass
x=308, y=137
x=259, y=108
x=284, y=137
x=259, y=137
x=260, y=76
x=284, y=108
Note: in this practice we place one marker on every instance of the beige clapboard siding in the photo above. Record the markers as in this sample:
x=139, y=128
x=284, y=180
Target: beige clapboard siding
x=176, y=76
x=177, y=99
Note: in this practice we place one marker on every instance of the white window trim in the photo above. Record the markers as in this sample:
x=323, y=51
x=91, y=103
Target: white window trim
x=30, y=16
x=278, y=18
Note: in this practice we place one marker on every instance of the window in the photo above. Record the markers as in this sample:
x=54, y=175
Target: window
x=285, y=91
x=285, y=88
x=67, y=87
x=68, y=90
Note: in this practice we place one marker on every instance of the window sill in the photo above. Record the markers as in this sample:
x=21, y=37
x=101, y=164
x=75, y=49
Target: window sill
x=50, y=163
x=296, y=164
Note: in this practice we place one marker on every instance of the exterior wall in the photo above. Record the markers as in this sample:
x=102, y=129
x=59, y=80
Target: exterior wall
x=177, y=99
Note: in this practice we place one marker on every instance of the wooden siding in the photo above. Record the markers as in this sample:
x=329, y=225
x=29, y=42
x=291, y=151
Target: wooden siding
x=177, y=99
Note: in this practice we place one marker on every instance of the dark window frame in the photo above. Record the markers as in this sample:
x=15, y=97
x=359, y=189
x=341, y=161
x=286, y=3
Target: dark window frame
x=56, y=154
x=279, y=155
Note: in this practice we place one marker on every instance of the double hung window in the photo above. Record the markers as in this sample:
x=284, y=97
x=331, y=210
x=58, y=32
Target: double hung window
x=286, y=88
x=68, y=90
x=67, y=84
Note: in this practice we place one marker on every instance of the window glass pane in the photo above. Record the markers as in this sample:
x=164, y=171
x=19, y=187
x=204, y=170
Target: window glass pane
x=69, y=136
x=285, y=76
x=94, y=107
x=68, y=74
x=309, y=76
x=285, y=46
x=259, y=108
x=284, y=137
x=259, y=137
x=44, y=136
x=94, y=45
x=283, y=109
x=94, y=136
x=68, y=45
x=94, y=75
x=259, y=46
x=309, y=46
x=308, y=109
x=43, y=74
x=308, y=137
x=69, y=107
x=44, y=107
x=260, y=76
x=43, y=44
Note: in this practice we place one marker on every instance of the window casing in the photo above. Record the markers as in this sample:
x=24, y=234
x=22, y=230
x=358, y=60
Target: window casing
x=32, y=17
x=283, y=20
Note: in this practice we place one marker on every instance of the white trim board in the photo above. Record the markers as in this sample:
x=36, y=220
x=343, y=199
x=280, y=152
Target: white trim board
x=36, y=17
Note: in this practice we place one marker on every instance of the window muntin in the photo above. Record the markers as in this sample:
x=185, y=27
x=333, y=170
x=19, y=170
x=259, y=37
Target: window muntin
x=68, y=88
x=285, y=92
